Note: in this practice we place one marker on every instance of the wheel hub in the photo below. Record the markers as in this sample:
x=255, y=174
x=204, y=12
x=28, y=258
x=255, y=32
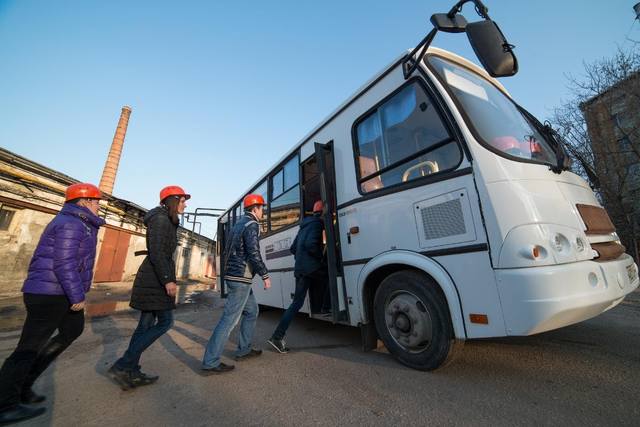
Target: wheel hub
x=408, y=321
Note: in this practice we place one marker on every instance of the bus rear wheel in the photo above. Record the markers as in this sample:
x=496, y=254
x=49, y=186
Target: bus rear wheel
x=412, y=319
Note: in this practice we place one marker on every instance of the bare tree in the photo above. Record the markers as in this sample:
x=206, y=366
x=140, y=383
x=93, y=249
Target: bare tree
x=600, y=124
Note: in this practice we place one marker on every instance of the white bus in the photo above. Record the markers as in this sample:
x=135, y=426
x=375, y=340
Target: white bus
x=450, y=212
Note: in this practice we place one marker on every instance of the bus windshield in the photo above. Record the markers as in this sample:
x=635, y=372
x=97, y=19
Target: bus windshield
x=498, y=122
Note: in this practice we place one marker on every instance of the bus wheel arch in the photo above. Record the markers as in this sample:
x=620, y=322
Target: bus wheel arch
x=375, y=271
x=416, y=282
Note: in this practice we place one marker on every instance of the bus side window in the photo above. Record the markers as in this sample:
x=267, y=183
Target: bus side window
x=402, y=140
x=284, y=204
x=262, y=190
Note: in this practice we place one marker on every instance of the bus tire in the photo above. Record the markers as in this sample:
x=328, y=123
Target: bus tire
x=413, y=321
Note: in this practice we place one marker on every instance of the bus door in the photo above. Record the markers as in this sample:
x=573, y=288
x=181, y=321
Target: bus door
x=224, y=228
x=325, y=161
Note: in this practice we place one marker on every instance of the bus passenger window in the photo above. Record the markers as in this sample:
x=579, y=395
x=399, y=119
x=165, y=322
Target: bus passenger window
x=402, y=140
x=285, y=195
x=262, y=190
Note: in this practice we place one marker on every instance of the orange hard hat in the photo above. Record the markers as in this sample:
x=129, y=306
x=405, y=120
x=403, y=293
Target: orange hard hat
x=317, y=206
x=252, y=200
x=173, y=190
x=82, y=190
x=505, y=143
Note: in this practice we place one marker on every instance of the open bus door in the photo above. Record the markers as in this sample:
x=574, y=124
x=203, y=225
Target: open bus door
x=224, y=225
x=325, y=161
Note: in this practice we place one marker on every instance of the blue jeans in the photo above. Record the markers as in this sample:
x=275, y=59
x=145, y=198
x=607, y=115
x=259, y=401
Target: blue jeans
x=152, y=325
x=241, y=304
x=302, y=286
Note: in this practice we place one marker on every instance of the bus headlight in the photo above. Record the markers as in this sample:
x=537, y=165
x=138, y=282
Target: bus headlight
x=533, y=245
x=560, y=243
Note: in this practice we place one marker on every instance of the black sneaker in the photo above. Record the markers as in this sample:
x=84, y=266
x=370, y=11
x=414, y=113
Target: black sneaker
x=220, y=369
x=253, y=353
x=19, y=413
x=279, y=345
x=139, y=378
x=30, y=397
x=121, y=377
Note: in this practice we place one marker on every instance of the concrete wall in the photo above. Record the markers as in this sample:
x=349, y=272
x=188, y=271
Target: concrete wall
x=194, y=258
x=131, y=265
x=17, y=245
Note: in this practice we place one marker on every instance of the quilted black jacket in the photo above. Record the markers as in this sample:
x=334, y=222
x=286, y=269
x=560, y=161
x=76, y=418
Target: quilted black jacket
x=158, y=268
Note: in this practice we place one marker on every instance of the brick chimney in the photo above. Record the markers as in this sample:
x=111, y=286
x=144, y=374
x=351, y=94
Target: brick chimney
x=111, y=166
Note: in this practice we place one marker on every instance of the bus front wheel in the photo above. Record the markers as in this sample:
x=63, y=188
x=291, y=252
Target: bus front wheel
x=412, y=319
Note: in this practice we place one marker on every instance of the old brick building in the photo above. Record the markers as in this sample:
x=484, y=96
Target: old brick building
x=31, y=194
x=613, y=122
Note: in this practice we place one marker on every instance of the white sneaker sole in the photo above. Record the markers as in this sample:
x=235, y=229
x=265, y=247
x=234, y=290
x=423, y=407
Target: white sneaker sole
x=286, y=350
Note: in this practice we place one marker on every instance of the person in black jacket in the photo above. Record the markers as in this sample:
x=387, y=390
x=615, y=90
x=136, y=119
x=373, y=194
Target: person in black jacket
x=243, y=261
x=309, y=271
x=154, y=288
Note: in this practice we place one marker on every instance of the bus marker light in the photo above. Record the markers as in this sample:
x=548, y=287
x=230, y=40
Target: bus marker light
x=535, y=252
x=538, y=252
x=479, y=318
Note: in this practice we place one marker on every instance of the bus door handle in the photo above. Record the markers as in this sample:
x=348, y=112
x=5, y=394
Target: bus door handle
x=352, y=230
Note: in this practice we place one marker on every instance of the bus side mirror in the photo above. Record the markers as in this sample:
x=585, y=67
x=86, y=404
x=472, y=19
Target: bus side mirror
x=492, y=49
x=443, y=22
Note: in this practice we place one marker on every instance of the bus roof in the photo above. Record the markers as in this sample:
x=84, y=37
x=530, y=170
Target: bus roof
x=431, y=50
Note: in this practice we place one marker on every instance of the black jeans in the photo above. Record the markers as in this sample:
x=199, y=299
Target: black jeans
x=152, y=325
x=36, y=349
x=316, y=280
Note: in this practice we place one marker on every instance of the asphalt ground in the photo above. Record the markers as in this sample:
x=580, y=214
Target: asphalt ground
x=584, y=374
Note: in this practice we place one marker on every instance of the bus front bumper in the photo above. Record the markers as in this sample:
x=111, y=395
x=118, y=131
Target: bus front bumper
x=540, y=299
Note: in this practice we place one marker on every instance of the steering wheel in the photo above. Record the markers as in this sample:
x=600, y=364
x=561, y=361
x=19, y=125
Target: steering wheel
x=431, y=165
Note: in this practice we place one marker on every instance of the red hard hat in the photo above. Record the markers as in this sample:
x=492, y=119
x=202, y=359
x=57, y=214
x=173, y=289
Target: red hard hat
x=173, y=190
x=82, y=190
x=317, y=206
x=252, y=200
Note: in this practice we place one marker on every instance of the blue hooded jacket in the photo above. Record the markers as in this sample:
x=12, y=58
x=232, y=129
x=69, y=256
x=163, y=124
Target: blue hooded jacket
x=307, y=247
x=62, y=263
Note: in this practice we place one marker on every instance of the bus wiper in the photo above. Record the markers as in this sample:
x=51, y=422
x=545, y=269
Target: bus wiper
x=563, y=162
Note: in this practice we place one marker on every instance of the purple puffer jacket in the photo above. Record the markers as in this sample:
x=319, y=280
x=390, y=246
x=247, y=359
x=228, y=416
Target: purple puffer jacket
x=62, y=264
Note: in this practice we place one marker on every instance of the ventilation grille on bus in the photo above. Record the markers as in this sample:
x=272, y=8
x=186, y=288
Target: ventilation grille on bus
x=443, y=220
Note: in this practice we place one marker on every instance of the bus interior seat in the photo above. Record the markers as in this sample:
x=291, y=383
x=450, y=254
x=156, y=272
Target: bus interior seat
x=367, y=167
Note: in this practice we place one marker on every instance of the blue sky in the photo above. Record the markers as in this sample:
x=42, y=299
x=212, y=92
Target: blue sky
x=220, y=90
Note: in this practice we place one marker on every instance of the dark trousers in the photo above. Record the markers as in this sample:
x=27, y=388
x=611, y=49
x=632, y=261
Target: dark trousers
x=36, y=349
x=152, y=325
x=317, y=280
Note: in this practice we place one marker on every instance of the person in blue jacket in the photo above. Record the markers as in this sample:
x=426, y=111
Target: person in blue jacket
x=243, y=262
x=58, y=280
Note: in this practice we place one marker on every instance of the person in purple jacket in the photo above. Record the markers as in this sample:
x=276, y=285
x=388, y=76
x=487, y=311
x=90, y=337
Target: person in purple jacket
x=59, y=277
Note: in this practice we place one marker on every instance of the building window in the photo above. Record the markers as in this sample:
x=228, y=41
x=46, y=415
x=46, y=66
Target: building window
x=402, y=140
x=285, y=195
x=6, y=216
x=625, y=144
x=633, y=177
